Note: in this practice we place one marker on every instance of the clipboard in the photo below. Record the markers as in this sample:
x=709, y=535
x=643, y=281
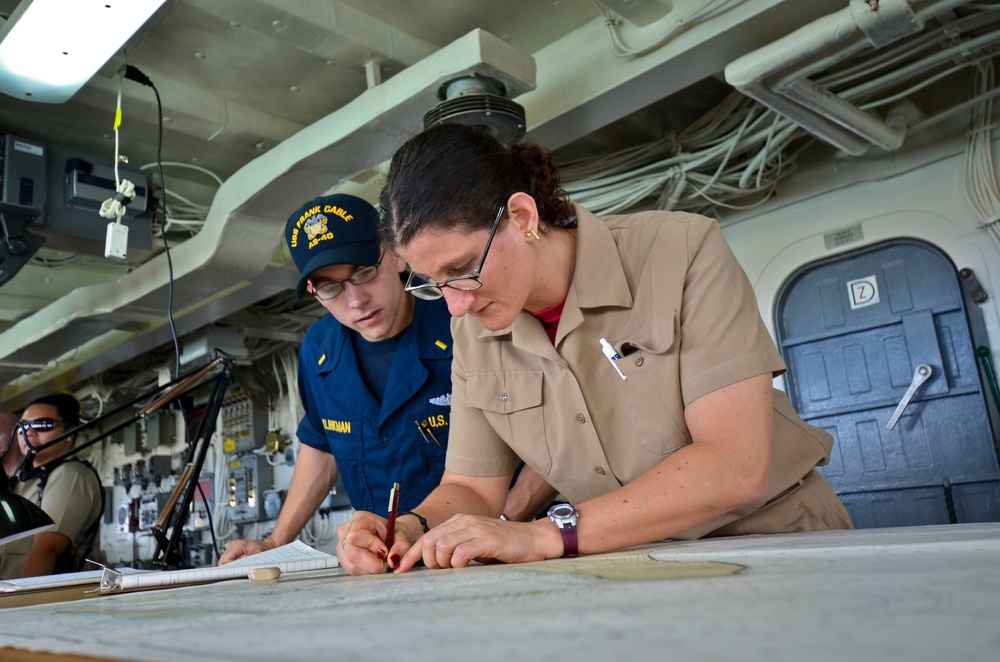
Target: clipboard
x=291, y=558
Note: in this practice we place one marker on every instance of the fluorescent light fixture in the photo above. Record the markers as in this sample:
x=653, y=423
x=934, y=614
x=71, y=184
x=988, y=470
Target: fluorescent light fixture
x=50, y=48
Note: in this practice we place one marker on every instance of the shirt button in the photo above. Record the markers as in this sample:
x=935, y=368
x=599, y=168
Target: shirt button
x=638, y=361
x=503, y=397
x=599, y=469
x=580, y=418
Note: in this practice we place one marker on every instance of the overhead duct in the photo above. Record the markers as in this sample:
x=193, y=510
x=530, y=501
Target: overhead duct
x=479, y=101
x=777, y=74
x=230, y=264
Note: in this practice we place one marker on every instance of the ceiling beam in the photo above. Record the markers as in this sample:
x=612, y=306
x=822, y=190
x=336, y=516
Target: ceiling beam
x=330, y=30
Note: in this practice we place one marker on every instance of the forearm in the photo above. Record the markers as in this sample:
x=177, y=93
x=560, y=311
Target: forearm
x=45, y=550
x=724, y=468
x=529, y=495
x=683, y=491
x=39, y=564
x=314, y=476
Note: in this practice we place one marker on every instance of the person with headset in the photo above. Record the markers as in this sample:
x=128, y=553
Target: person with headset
x=69, y=492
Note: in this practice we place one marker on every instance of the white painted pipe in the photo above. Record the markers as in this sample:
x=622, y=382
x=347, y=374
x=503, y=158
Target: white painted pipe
x=827, y=104
x=830, y=39
x=817, y=125
x=814, y=39
x=792, y=49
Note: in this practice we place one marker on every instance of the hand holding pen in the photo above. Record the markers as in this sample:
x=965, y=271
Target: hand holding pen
x=390, y=531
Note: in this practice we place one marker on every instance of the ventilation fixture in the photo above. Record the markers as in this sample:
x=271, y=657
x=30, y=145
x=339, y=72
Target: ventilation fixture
x=479, y=101
x=776, y=75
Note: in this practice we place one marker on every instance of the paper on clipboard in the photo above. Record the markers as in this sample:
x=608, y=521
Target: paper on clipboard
x=57, y=581
x=293, y=557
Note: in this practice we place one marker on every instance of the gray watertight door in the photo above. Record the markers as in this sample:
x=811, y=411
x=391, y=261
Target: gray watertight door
x=880, y=354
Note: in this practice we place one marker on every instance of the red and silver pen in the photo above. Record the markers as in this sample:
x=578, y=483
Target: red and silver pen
x=390, y=530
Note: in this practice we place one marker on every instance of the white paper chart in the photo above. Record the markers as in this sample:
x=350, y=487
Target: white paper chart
x=294, y=557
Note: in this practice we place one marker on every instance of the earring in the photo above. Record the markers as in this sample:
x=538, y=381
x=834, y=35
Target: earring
x=531, y=234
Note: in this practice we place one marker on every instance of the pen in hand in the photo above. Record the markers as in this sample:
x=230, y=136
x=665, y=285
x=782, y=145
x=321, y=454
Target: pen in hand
x=390, y=530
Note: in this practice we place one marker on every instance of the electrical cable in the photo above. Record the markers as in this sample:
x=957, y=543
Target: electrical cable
x=981, y=187
x=114, y=207
x=132, y=73
x=50, y=263
x=188, y=216
x=211, y=527
x=737, y=151
x=189, y=166
x=621, y=50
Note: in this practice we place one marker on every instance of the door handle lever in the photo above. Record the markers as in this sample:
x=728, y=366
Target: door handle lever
x=920, y=375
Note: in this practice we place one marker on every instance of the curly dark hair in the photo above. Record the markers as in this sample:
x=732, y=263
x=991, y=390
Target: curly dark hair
x=457, y=176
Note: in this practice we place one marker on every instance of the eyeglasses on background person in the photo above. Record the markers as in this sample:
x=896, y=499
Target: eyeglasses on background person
x=334, y=289
x=40, y=424
x=430, y=291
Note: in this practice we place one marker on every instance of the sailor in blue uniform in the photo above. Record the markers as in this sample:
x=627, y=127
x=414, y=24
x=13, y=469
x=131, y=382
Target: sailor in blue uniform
x=374, y=377
x=398, y=433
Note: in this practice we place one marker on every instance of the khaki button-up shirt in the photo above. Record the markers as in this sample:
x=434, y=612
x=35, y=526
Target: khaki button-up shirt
x=667, y=293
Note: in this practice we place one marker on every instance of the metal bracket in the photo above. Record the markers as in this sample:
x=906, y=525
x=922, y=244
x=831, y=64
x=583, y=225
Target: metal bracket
x=885, y=21
x=972, y=286
x=111, y=579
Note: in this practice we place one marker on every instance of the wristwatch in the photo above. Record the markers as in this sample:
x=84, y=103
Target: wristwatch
x=564, y=515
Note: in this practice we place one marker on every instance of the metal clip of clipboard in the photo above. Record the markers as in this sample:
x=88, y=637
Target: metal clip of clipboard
x=111, y=579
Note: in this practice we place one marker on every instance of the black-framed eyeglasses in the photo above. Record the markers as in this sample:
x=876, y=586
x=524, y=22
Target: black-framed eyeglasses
x=334, y=289
x=431, y=291
x=40, y=424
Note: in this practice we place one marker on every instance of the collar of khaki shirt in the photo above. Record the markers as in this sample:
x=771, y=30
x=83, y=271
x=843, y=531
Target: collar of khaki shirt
x=598, y=277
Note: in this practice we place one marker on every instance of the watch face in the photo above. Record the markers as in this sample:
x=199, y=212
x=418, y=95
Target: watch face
x=564, y=512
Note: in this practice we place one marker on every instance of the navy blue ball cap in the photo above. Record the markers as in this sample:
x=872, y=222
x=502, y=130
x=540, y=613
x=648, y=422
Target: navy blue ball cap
x=332, y=229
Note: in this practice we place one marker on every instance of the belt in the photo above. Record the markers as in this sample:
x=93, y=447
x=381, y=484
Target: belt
x=787, y=491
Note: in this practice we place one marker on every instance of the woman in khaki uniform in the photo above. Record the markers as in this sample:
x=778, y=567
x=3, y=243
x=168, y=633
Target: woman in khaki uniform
x=623, y=359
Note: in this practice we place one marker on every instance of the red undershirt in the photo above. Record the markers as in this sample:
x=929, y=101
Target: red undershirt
x=550, y=319
x=550, y=316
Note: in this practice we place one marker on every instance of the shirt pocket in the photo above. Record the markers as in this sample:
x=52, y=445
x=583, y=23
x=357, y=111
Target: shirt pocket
x=346, y=438
x=652, y=392
x=511, y=402
x=433, y=436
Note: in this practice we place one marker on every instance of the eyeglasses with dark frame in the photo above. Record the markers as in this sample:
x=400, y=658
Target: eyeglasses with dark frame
x=430, y=291
x=334, y=289
x=40, y=424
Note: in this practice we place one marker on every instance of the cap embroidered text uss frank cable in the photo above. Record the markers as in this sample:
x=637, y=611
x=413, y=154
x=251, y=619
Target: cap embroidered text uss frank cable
x=332, y=229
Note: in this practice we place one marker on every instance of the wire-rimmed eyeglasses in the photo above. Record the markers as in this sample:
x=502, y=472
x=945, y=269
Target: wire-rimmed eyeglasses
x=431, y=291
x=334, y=289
